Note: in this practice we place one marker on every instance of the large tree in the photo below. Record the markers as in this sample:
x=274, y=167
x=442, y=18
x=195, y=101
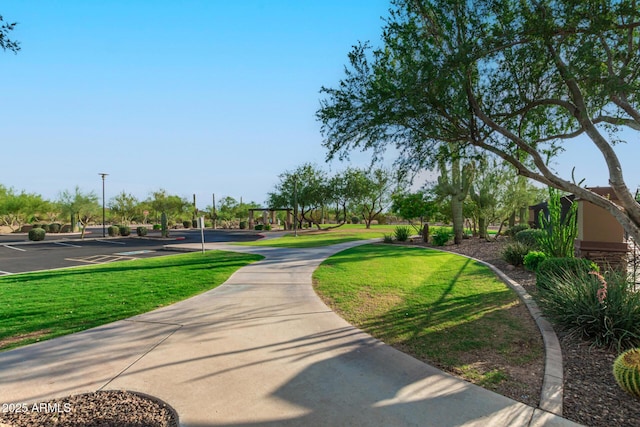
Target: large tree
x=82, y=208
x=5, y=42
x=516, y=78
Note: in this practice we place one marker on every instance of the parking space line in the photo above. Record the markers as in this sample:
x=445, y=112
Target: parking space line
x=100, y=259
x=4, y=273
x=110, y=241
x=16, y=249
x=67, y=244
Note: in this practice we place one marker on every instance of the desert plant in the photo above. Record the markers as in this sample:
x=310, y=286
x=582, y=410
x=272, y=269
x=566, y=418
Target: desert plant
x=36, y=234
x=559, y=232
x=551, y=269
x=45, y=227
x=387, y=238
x=194, y=223
x=141, y=231
x=530, y=237
x=157, y=227
x=626, y=371
x=604, y=309
x=441, y=236
x=402, y=233
x=512, y=231
x=113, y=230
x=54, y=227
x=514, y=253
x=124, y=230
x=164, y=226
x=533, y=259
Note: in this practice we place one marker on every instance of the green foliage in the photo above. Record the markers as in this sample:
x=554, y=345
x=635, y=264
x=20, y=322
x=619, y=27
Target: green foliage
x=387, y=238
x=441, y=236
x=533, y=259
x=552, y=269
x=157, y=227
x=402, y=233
x=194, y=223
x=559, y=233
x=258, y=227
x=514, y=253
x=36, y=234
x=243, y=225
x=512, y=231
x=124, y=230
x=45, y=227
x=54, y=227
x=113, y=230
x=411, y=206
x=604, y=309
x=626, y=371
x=267, y=227
x=141, y=231
x=355, y=220
x=530, y=237
x=186, y=223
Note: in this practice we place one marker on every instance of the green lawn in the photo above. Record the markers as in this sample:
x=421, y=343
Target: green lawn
x=42, y=305
x=326, y=237
x=437, y=306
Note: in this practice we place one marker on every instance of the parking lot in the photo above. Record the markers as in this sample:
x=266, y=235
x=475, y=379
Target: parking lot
x=18, y=255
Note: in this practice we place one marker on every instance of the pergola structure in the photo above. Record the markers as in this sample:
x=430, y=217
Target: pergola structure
x=269, y=216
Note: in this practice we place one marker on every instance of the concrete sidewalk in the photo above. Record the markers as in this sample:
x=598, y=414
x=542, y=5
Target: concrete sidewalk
x=262, y=349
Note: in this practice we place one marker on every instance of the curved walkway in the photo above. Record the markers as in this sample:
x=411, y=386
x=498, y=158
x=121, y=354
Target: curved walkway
x=260, y=350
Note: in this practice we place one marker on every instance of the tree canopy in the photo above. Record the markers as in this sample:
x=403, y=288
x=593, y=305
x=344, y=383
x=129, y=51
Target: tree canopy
x=515, y=78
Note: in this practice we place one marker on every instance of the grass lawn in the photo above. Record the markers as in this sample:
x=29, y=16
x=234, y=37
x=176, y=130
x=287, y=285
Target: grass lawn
x=42, y=305
x=326, y=237
x=439, y=307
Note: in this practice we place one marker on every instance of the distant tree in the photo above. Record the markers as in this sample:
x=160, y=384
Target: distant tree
x=371, y=193
x=5, y=42
x=16, y=209
x=82, y=208
x=414, y=206
x=125, y=207
x=173, y=206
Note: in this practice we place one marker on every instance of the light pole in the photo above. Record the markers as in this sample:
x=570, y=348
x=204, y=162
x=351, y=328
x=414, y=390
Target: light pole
x=104, y=234
x=295, y=205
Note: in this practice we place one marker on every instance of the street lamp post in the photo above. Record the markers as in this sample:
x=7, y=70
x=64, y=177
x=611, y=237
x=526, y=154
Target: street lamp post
x=104, y=234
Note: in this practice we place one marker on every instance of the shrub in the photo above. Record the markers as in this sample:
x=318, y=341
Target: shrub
x=208, y=225
x=512, y=231
x=267, y=227
x=402, y=233
x=514, y=253
x=441, y=236
x=54, y=227
x=355, y=220
x=559, y=232
x=186, y=224
x=141, y=231
x=157, y=227
x=45, y=227
x=35, y=226
x=124, y=230
x=387, y=238
x=243, y=225
x=533, y=259
x=602, y=309
x=258, y=227
x=626, y=371
x=530, y=237
x=551, y=269
x=113, y=230
x=36, y=234
x=194, y=223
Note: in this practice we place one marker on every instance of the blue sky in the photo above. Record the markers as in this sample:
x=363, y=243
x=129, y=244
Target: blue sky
x=195, y=97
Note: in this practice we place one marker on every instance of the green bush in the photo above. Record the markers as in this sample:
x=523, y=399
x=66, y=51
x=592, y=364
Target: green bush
x=441, y=236
x=267, y=227
x=113, y=230
x=258, y=227
x=402, y=233
x=514, y=253
x=186, y=224
x=36, y=234
x=552, y=269
x=157, y=226
x=387, y=238
x=141, y=231
x=194, y=223
x=45, y=227
x=603, y=309
x=54, y=227
x=35, y=226
x=243, y=225
x=208, y=225
x=355, y=220
x=533, y=259
x=512, y=231
x=530, y=237
x=124, y=230
x=559, y=233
